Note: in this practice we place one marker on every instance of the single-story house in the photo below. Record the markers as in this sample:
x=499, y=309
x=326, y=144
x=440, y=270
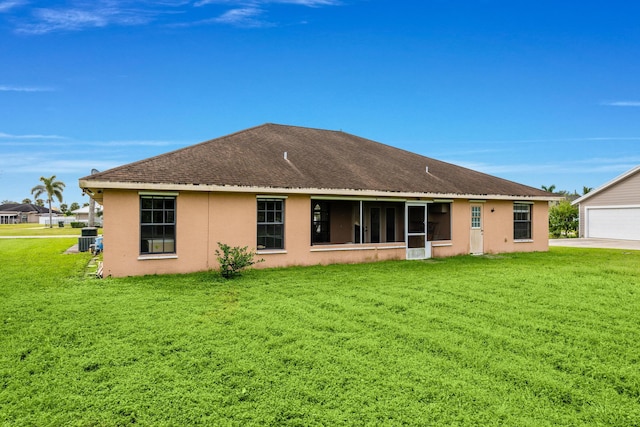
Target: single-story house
x=302, y=196
x=612, y=211
x=19, y=213
x=82, y=214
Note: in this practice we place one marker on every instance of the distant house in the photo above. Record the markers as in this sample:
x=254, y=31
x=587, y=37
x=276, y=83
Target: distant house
x=82, y=214
x=612, y=211
x=18, y=213
x=302, y=196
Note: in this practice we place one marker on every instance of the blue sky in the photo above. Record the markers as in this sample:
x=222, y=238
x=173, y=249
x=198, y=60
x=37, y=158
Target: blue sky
x=539, y=92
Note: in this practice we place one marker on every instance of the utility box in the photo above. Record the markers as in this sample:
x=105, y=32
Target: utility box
x=89, y=232
x=87, y=238
x=84, y=243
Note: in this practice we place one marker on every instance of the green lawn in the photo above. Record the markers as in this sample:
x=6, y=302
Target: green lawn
x=515, y=340
x=38, y=230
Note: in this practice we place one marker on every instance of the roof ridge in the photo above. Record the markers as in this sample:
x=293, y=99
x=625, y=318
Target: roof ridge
x=296, y=126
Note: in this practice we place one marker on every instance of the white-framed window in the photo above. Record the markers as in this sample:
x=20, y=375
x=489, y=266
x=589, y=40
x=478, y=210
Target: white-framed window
x=476, y=217
x=270, y=230
x=522, y=221
x=157, y=224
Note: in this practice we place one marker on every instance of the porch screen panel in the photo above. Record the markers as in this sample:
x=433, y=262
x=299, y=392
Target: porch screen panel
x=439, y=221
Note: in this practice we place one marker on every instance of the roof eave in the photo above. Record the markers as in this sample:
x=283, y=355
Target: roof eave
x=606, y=185
x=95, y=190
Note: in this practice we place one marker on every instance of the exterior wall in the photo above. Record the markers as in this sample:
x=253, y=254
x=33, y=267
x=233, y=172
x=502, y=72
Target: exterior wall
x=623, y=193
x=498, y=234
x=239, y=229
x=204, y=219
x=497, y=229
x=122, y=236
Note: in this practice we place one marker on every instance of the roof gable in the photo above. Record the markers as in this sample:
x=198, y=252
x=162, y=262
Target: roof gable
x=628, y=174
x=290, y=157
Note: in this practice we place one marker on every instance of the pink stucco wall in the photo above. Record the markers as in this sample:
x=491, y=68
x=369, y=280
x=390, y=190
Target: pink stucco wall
x=203, y=219
x=497, y=229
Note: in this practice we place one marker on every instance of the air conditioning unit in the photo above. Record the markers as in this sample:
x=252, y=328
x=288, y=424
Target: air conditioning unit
x=159, y=245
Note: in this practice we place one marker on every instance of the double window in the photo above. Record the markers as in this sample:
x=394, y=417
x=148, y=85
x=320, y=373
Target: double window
x=270, y=224
x=521, y=221
x=157, y=224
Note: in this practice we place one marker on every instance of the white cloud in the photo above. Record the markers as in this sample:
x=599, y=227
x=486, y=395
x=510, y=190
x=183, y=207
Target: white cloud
x=242, y=17
x=140, y=143
x=77, y=15
x=622, y=103
x=584, y=166
x=308, y=3
x=11, y=88
x=6, y=6
x=100, y=14
x=247, y=13
x=30, y=136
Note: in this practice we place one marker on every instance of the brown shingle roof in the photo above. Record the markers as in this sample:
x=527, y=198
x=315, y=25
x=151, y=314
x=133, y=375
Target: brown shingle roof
x=26, y=208
x=316, y=159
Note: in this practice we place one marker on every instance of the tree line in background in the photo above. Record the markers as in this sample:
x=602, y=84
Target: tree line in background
x=564, y=218
x=64, y=208
x=52, y=189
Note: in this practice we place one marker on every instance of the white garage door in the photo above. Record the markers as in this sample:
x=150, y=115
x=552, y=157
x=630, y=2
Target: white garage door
x=614, y=223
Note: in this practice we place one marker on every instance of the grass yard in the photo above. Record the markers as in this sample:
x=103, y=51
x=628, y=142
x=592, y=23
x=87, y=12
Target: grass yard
x=38, y=230
x=517, y=340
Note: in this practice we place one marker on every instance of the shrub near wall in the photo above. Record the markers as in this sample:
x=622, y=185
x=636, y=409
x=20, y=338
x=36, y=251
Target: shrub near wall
x=78, y=224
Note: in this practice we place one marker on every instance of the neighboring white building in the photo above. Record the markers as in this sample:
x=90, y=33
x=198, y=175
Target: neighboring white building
x=612, y=211
x=82, y=214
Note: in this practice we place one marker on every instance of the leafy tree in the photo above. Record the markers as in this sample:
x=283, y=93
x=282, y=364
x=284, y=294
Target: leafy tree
x=550, y=188
x=51, y=188
x=586, y=189
x=64, y=208
x=7, y=201
x=563, y=219
x=74, y=206
x=27, y=201
x=39, y=202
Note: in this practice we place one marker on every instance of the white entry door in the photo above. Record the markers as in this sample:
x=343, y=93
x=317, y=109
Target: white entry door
x=476, y=238
x=416, y=219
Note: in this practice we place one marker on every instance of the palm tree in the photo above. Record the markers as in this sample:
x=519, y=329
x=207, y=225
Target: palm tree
x=586, y=189
x=550, y=188
x=52, y=188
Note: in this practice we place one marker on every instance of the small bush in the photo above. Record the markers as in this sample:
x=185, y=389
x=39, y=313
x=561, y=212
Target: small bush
x=78, y=224
x=234, y=259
